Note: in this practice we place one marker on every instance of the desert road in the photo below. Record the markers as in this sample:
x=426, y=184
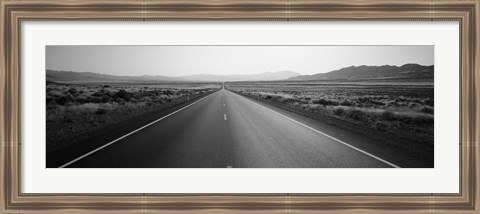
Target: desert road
x=227, y=130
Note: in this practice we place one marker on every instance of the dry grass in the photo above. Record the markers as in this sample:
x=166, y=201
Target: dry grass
x=75, y=109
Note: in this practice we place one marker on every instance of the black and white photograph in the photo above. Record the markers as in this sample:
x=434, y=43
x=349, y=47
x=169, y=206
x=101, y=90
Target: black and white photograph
x=197, y=106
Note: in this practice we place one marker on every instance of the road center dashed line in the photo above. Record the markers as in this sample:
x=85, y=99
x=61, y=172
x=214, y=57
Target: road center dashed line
x=225, y=116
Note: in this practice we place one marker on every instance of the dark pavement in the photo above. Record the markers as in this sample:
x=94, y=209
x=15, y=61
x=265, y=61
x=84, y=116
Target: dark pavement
x=229, y=130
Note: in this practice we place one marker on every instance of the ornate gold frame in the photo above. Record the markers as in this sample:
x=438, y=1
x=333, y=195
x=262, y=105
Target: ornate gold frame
x=13, y=12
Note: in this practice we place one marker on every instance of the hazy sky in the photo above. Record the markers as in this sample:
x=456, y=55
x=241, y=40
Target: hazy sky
x=222, y=60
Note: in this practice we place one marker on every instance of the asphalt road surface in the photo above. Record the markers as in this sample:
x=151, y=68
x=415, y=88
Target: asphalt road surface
x=225, y=129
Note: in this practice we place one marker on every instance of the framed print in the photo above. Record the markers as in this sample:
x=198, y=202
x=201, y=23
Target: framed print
x=239, y=106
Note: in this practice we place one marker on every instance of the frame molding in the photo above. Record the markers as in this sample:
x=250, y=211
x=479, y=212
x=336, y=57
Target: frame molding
x=13, y=12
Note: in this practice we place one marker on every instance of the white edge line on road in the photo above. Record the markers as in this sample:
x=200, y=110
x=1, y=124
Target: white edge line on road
x=124, y=136
x=333, y=138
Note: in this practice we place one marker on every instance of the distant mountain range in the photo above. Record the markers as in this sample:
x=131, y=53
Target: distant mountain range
x=385, y=72
x=71, y=76
x=407, y=71
x=266, y=76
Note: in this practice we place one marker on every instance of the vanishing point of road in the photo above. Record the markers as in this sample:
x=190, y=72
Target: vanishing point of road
x=227, y=130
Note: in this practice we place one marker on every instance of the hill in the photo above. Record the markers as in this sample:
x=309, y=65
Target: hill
x=265, y=76
x=407, y=71
x=71, y=76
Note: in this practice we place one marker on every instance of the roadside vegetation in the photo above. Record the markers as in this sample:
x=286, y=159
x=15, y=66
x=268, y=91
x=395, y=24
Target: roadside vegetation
x=403, y=109
x=73, y=109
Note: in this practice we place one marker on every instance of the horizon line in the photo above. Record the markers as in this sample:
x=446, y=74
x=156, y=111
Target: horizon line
x=300, y=74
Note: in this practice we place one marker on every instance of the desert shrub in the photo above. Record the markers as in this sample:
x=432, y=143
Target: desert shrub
x=133, y=100
x=160, y=101
x=84, y=108
x=287, y=100
x=378, y=103
x=50, y=100
x=81, y=100
x=54, y=94
x=64, y=100
x=393, y=104
x=311, y=107
x=357, y=114
x=324, y=102
x=364, y=99
x=370, y=100
x=101, y=111
x=338, y=111
x=380, y=125
x=414, y=118
x=52, y=103
x=106, y=98
x=346, y=103
x=93, y=99
x=137, y=95
x=72, y=91
x=388, y=115
x=101, y=118
x=167, y=92
x=119, y=100
x=127, y=96
x=150, y=103
x=55, y=112
x=67, y=119
x=413, y=105
x=99, y=93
